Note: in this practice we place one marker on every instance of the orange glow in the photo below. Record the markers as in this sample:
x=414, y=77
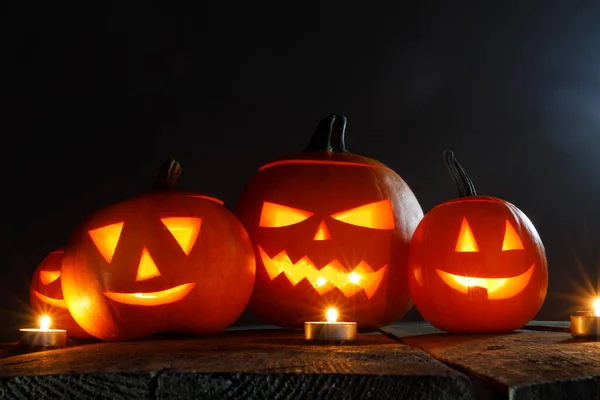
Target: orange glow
x=106, y=239
x=322, y=232
x=418, y=274
x=320, y=162
x=147, y=268
x=497, y=288
x=60, y=303
x=379, y=215
x=185, y=230
x=154, y=298
x=275, y=215
x=327, y=278
x=512, y=241
x=331, y=314
x=47, y=277
x=466, y=241
x=199, y=196
x=45, y=322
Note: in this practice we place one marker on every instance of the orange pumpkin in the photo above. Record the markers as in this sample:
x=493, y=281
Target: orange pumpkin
x=162, y=261
x=46, y=297
x=330, y=228
x=477, y=263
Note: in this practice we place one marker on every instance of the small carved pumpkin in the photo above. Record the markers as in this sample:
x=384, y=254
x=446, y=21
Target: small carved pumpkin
x=477, y=263
x=162, y=261
x=46, y=297
x=331, y=228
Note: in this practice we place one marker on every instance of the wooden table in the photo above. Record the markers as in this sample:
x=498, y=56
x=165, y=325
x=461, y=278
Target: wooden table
x=403, y=361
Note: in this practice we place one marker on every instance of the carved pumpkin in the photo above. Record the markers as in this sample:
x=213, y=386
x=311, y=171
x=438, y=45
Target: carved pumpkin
x=477, y=263
x=330, y=228
x=46, y=297
x=162, y=261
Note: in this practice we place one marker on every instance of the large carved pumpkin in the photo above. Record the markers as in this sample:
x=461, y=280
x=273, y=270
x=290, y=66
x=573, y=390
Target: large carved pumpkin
x=477, y=263
x=46, y=297
x=330, y=228
x=162, y=261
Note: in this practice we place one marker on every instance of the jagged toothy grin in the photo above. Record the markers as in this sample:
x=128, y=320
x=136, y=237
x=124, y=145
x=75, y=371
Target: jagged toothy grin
x=323, y=280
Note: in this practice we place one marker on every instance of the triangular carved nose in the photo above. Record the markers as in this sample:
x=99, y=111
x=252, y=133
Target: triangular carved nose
x=147, y=268
x=322, y=232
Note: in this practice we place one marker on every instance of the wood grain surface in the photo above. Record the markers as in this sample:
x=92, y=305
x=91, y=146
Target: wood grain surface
x=525, y=364
x=258, y=364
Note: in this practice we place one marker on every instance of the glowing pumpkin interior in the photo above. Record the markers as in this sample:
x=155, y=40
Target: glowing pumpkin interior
x=378, y=215
x=183, y=229
x=47, y=277
x=497, y=288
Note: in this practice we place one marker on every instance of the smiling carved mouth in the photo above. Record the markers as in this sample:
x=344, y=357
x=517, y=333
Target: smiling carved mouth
x=153, y=298
x=60, y=303
x=323, y=280
x=497, y=288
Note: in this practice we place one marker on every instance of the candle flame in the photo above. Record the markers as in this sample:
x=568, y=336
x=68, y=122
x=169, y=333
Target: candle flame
x=597, y=307
x=45, y=322
x=331, y=315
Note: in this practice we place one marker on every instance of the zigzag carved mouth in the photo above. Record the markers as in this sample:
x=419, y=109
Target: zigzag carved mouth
x=323, y=280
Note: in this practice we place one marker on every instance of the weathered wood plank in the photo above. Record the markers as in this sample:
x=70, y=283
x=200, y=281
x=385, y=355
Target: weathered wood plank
x=522, y=365
x=234, y=365
x=557, y=326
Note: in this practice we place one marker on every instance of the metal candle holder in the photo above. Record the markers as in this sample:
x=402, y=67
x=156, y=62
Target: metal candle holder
x=330, y=331
x=44, y=337
x=585, y=325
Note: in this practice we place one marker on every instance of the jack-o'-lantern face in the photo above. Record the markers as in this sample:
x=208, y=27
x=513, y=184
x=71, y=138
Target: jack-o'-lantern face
x=479, y=279
x=330, y=228
x=184, y=231
x=158, y=262
x=46, y=296
x=477, y=264
x=46, y=282
x=336, y=274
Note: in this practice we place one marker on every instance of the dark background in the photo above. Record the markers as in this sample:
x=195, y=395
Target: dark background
x=96, y=97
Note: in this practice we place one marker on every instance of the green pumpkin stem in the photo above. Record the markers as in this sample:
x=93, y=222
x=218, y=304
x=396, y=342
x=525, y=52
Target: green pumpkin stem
x=459, y=175
x=168, y=175
x=329, y=135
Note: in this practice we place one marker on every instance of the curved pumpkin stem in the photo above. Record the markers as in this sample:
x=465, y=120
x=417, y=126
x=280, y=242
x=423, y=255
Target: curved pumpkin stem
x=329, y=135
x=168, y=175
x=459, y=175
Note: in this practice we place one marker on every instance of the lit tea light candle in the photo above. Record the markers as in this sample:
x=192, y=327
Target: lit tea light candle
x=586, y=324
x=330, y=330
x=44, y=337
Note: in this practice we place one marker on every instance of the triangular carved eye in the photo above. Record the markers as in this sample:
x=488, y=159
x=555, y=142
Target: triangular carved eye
x=511, y=241
x=47, y=277
x=185, y=230
x=378, y=215
x=106, y=239
x=466, y=241
x=276, y=215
